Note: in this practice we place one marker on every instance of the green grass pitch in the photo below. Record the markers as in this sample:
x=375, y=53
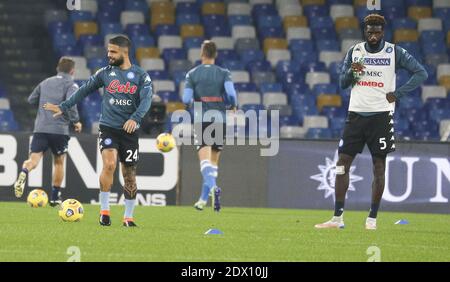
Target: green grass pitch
x=250, y=234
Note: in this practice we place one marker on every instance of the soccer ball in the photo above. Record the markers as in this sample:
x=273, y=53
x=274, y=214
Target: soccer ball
x=165, y=142
x=71, y=210
x=37, y=198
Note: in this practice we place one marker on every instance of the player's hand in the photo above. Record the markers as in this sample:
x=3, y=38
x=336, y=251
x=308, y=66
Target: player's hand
x=53, y=108
x=78, y=126
x=130, y=126
x=391, y=97
x=358, y=67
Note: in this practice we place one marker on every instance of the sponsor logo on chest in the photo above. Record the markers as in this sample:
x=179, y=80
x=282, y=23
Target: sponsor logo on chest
x=116, y=87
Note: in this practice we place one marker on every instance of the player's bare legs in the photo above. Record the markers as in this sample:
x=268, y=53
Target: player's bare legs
x=130, y=190
x=27, y=166
x=58, y=176
x=341, y=186
x=379, y=167
x=109, y=157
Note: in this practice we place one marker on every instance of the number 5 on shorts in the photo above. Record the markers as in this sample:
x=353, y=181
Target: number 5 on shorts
x=383, y=143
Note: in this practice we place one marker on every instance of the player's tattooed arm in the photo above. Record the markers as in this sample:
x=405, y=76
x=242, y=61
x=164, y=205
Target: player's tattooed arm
x=129, y=176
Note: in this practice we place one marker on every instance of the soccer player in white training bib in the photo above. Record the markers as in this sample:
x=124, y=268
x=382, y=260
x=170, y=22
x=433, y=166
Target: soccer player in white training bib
x=369, y=67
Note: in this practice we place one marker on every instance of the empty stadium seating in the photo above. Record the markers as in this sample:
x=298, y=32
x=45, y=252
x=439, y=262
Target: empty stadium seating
x=283, y=54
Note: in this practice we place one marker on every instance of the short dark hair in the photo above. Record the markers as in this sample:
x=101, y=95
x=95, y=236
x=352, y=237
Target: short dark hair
x=209, y=49
x=65, y=64
x=374, y=19
x=121, y=41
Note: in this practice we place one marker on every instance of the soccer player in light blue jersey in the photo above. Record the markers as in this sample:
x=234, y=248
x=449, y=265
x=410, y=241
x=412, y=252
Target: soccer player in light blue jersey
x=209, y=84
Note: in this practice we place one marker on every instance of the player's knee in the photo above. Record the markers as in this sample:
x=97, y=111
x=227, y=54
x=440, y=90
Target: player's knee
x=109, y=166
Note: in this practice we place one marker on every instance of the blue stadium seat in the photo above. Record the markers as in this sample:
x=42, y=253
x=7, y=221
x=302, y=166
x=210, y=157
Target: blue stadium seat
x=267, y=21
x=245, y=87
x=173, y=54
x=339, y=2
x=167, y=29
x=90, y=39
x=81, y=16
x=434, y=47
x=409, y=102
x=263, y=10
x=261, y=65
x=251, y=55
x=319, y=133
x=292, y=78
x=436, y=103
x=321, y=22
x=187, y=19
x=110, y=5
x=158, y=74
x=168, y=96
x=401, y=124
x=437, y=115
x=187, y=8
x=442, y=13
x=217, y=30
x=136, y=5
x=137, y=29
x=213, y=20
x=64, y=39
x=296, y=45
x=276, y=32
x=303, y=57
x=313, y=66
x=108, y=16
x=337, y=122
x=393, y=12
x=178, y=76
x=239, y=20
x=192, y=42
x=68, y=50
x=335, y=70
x=226, y=55
x=334, y=112
x=423, y=3
x=107, y=28
x=143, y=41
x=284, y=66
x=60, y=27
x=233, y=65
x=299, y=88
x=328, y=45
x=431, y=35
x=270, y=87
x=403, y=23
x=289, y=121
x=393, y=3
x=325, y=88
x=312, y=11
x=324, y=33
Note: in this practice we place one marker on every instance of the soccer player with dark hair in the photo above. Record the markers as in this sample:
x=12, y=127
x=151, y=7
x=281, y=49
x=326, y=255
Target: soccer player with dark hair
x=126, y=99
x=208, y=84
x=369, y=67
x=49, y=132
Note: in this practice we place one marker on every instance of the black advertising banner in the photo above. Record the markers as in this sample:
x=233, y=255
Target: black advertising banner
x=157, y=174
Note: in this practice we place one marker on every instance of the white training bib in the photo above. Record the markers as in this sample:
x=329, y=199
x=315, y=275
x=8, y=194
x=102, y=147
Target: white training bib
x=377, y=79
